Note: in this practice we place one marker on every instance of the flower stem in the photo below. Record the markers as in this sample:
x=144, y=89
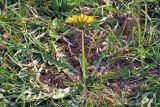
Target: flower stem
x=83, y=56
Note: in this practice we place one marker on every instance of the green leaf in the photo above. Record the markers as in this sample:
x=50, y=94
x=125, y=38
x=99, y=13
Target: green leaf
x=48, y=57
x=124, y=73
x=56, y=24
x=74, y=2
x=144, y=100
x=53, y=34
x=110, y=8
x=61, y=93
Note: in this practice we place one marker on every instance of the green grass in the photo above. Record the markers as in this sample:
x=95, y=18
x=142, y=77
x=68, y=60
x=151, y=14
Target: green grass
x=34, y=39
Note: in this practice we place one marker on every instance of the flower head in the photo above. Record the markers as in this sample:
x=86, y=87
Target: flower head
x=80, y=19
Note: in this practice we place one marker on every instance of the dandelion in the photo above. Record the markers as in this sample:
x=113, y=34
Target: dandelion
x=80, y=19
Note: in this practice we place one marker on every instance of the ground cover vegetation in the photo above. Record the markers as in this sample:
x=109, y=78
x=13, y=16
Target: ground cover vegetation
x=79, y=53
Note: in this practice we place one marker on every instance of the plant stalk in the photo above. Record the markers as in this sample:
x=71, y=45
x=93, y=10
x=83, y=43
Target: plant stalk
x=83, y=55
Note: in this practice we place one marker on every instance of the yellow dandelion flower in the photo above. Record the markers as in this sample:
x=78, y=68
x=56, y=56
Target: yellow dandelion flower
x=80, y=19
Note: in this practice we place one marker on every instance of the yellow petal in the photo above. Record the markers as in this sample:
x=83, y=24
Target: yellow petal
x=80, y=19
x=75, y=19
x=85, y=19
x=90, y=19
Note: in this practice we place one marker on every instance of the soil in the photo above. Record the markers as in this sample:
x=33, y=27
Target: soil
x=55, y=79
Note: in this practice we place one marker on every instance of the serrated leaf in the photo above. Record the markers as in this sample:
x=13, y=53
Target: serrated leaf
x=48, y=57
x=61, y=93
